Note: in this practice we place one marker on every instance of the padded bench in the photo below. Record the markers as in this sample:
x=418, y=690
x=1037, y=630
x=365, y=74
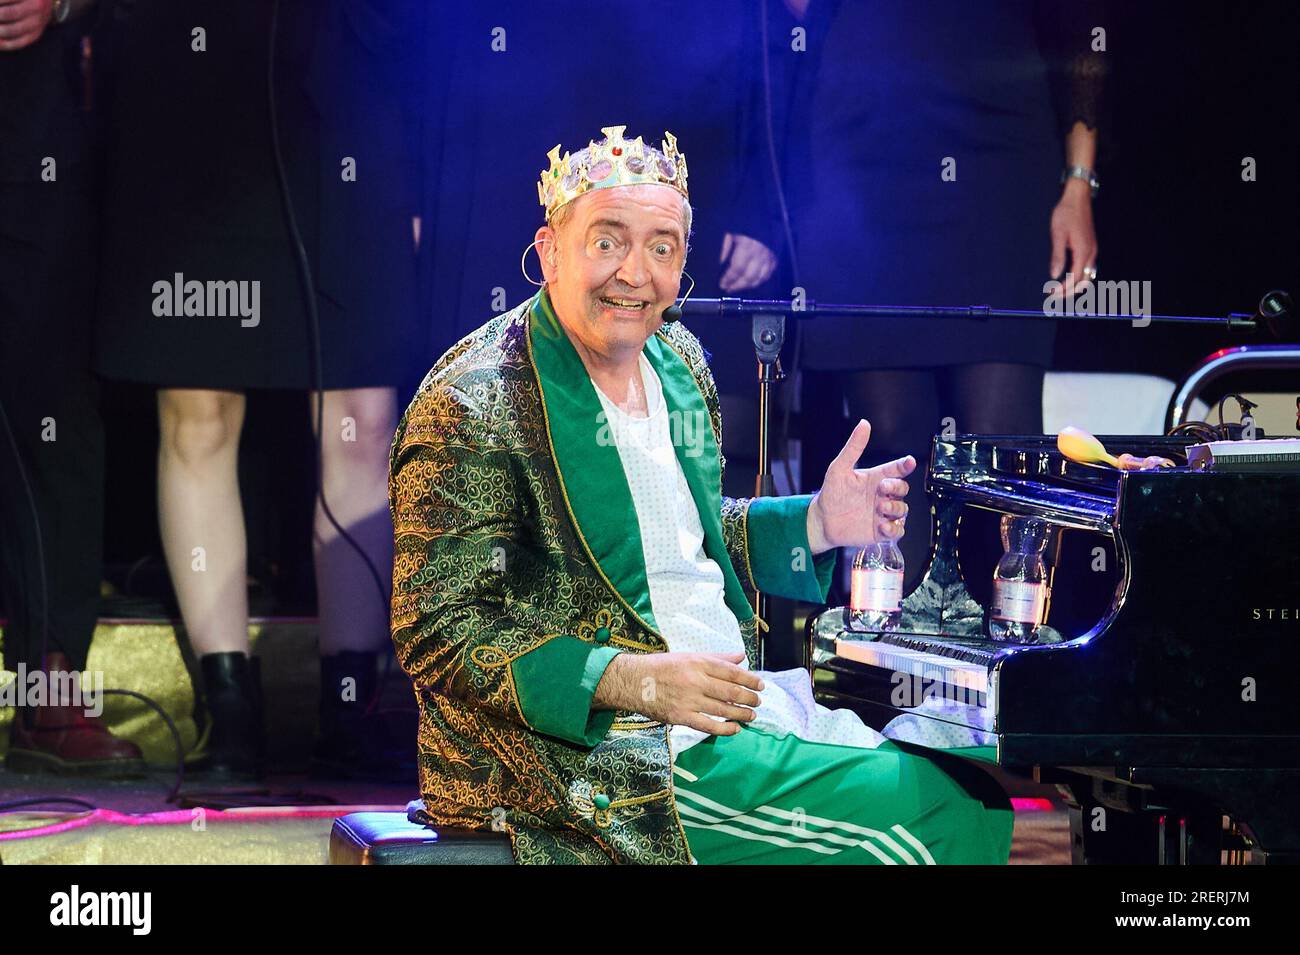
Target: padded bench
x=405, y=838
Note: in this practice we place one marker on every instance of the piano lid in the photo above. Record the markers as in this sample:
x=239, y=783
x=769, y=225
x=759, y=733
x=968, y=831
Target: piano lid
x=1027, y=475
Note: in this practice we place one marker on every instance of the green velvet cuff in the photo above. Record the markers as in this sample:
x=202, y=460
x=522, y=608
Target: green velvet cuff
x=555, y=684
x=780, y=556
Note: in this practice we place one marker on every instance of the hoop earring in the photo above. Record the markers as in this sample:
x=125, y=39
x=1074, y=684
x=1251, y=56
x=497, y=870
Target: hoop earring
x=523, y=267
x=688, y=290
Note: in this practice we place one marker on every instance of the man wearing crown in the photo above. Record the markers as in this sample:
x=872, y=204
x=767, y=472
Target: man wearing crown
x=571, y=592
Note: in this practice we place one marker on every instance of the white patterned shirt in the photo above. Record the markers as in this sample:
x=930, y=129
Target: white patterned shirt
x=686, y=586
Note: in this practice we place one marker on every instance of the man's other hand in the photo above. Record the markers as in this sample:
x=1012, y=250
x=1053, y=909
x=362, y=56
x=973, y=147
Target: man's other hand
x=858, y=506
x=683, y=689
x=749, y=263
x=23, y=21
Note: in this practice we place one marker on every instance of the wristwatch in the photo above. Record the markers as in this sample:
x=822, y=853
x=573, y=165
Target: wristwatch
x=1084, y=173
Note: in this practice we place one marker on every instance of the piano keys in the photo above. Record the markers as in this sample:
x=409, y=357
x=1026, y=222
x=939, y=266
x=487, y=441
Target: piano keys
x=1158, y=693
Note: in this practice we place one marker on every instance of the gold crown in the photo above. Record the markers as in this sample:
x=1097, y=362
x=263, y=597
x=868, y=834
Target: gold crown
x=614, y=161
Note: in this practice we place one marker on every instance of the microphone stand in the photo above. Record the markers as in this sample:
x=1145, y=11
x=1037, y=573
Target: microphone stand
x=767, y=331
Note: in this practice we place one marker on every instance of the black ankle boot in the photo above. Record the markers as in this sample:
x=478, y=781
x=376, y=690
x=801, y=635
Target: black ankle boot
x=232, y=691
x=353, y=742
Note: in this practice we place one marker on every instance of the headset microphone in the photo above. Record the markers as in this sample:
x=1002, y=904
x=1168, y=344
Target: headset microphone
x=673, y=313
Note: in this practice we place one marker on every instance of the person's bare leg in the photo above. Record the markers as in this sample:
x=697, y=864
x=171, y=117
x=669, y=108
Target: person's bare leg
x=358, y=430
x=201, y=516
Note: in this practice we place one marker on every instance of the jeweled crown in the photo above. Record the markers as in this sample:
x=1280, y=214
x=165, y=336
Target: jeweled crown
x=614, y=161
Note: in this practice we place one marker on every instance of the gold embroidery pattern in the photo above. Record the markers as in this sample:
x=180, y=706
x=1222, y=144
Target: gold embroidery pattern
x=603, y=817
x=605, y=620
x=735, y=528
x=634, y=725
x=487, y=566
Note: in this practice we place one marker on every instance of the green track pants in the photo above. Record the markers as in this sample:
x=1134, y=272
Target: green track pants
x=759, y=799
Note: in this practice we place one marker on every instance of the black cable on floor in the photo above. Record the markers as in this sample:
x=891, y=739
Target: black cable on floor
x=13, y=804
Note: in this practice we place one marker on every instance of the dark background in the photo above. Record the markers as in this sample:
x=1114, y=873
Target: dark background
x=1192, y=89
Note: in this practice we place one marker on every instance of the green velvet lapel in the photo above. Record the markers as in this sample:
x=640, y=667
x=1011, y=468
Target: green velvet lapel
x=591, y=471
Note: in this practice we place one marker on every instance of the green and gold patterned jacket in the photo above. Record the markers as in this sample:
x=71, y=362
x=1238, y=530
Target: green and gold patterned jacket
x=518, y=574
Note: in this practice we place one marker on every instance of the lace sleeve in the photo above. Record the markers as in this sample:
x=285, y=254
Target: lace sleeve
x=1076, y=57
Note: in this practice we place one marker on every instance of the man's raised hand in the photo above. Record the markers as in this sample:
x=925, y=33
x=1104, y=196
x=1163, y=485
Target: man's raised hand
x=858, y=506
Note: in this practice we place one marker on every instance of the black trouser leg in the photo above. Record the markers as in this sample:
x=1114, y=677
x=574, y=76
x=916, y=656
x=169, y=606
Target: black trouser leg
x=51, y=404
x=996, y=397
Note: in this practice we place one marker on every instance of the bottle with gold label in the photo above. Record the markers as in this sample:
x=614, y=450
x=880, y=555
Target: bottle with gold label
x=876, y=594
x=1021, y=586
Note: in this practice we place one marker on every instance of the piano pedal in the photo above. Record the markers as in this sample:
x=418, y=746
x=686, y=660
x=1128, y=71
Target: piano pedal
x=1171, y=840
x=1236, y=848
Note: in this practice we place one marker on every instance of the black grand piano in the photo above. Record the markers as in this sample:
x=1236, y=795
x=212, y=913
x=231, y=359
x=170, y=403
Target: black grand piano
x=1158, y=694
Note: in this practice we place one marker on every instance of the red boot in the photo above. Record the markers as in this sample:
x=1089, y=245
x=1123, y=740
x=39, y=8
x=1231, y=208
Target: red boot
x=62, y=739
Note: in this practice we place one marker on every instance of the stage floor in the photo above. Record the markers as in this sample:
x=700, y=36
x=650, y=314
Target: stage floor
x=285, y=820
x=290, y=815
x=288, y=825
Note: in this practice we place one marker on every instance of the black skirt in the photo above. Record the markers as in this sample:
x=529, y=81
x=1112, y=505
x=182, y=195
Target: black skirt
x=200, y=286
x=903, y=92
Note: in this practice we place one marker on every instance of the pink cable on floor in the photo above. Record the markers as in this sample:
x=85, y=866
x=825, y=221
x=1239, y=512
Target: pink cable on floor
x=1032, y=804
x=259, y=813
x=173, y=817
